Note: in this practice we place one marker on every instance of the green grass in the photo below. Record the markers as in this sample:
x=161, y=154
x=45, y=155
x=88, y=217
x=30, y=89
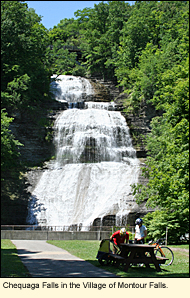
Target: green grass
x=87, y=250
x=11, y=265
x=181, y=246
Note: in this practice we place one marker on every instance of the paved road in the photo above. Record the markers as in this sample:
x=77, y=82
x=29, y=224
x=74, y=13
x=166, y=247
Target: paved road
x=45, y=260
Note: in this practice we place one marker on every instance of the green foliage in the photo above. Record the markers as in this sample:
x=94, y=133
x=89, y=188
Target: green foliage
x=64, y=39
x=24, y=71
x=157, y=221
x=62, y=61
x=146, y=65
x=99, y=30
x=154, y=69
x=168, y=177
x=9, y=146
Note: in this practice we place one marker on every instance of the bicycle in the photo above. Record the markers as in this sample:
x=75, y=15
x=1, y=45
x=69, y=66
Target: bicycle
x=163, y=251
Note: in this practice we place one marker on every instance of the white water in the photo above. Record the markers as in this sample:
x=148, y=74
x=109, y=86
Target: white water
x=71, y=89
x=92, y=135
x=94, y=168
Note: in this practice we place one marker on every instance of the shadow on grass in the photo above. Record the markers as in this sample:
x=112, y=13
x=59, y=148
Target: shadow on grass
x=11, y=265
x=140, y=272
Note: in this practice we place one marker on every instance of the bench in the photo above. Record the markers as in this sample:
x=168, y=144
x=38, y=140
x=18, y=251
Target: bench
x=148, y=260
x=116, y=259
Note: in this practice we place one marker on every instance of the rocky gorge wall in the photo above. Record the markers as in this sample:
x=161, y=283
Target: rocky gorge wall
x=139, y=123
x=38, y=146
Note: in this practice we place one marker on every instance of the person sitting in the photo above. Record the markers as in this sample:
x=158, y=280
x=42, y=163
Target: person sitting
x=119, y=237
x=140, y=231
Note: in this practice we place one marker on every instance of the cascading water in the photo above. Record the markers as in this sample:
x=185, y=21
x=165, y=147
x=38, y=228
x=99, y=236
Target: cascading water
x=95, y=163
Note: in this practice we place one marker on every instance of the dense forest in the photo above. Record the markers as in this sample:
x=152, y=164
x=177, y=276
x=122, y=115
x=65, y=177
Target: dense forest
x=145, y=48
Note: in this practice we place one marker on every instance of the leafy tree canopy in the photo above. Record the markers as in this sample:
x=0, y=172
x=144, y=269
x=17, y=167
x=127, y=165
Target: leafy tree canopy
x=24, y=72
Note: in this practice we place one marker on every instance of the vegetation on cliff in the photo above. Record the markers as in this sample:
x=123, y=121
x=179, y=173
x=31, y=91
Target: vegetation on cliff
x=145, y=47
x=25, y=76
x=25, y=79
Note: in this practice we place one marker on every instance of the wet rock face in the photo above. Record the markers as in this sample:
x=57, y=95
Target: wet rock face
x=33, y=134
x=135, y=212
x=138, y=123
x=35, y=149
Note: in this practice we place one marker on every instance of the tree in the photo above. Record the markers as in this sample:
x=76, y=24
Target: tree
x=9, y=146
x=65, y=43
x=154, y=69
x=91, y=31
x=119, y=13
x=62, y=62
x=23, y=61
x=100, y=31
x=141, y=28
x=167, y=169
x=167, y=189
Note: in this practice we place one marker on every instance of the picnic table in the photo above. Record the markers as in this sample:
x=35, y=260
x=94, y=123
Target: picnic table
x=140, y=253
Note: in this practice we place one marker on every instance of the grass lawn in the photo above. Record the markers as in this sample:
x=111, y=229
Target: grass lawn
x=11, y=265
x=87, y=250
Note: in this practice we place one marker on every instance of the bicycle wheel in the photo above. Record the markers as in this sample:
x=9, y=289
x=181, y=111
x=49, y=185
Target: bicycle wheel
x=166, y=252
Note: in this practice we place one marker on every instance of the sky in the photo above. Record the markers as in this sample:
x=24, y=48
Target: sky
x=54, y=11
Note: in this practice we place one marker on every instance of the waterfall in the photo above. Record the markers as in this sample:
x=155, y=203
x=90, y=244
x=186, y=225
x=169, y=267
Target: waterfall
x=95, y=162
x=71, y=89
